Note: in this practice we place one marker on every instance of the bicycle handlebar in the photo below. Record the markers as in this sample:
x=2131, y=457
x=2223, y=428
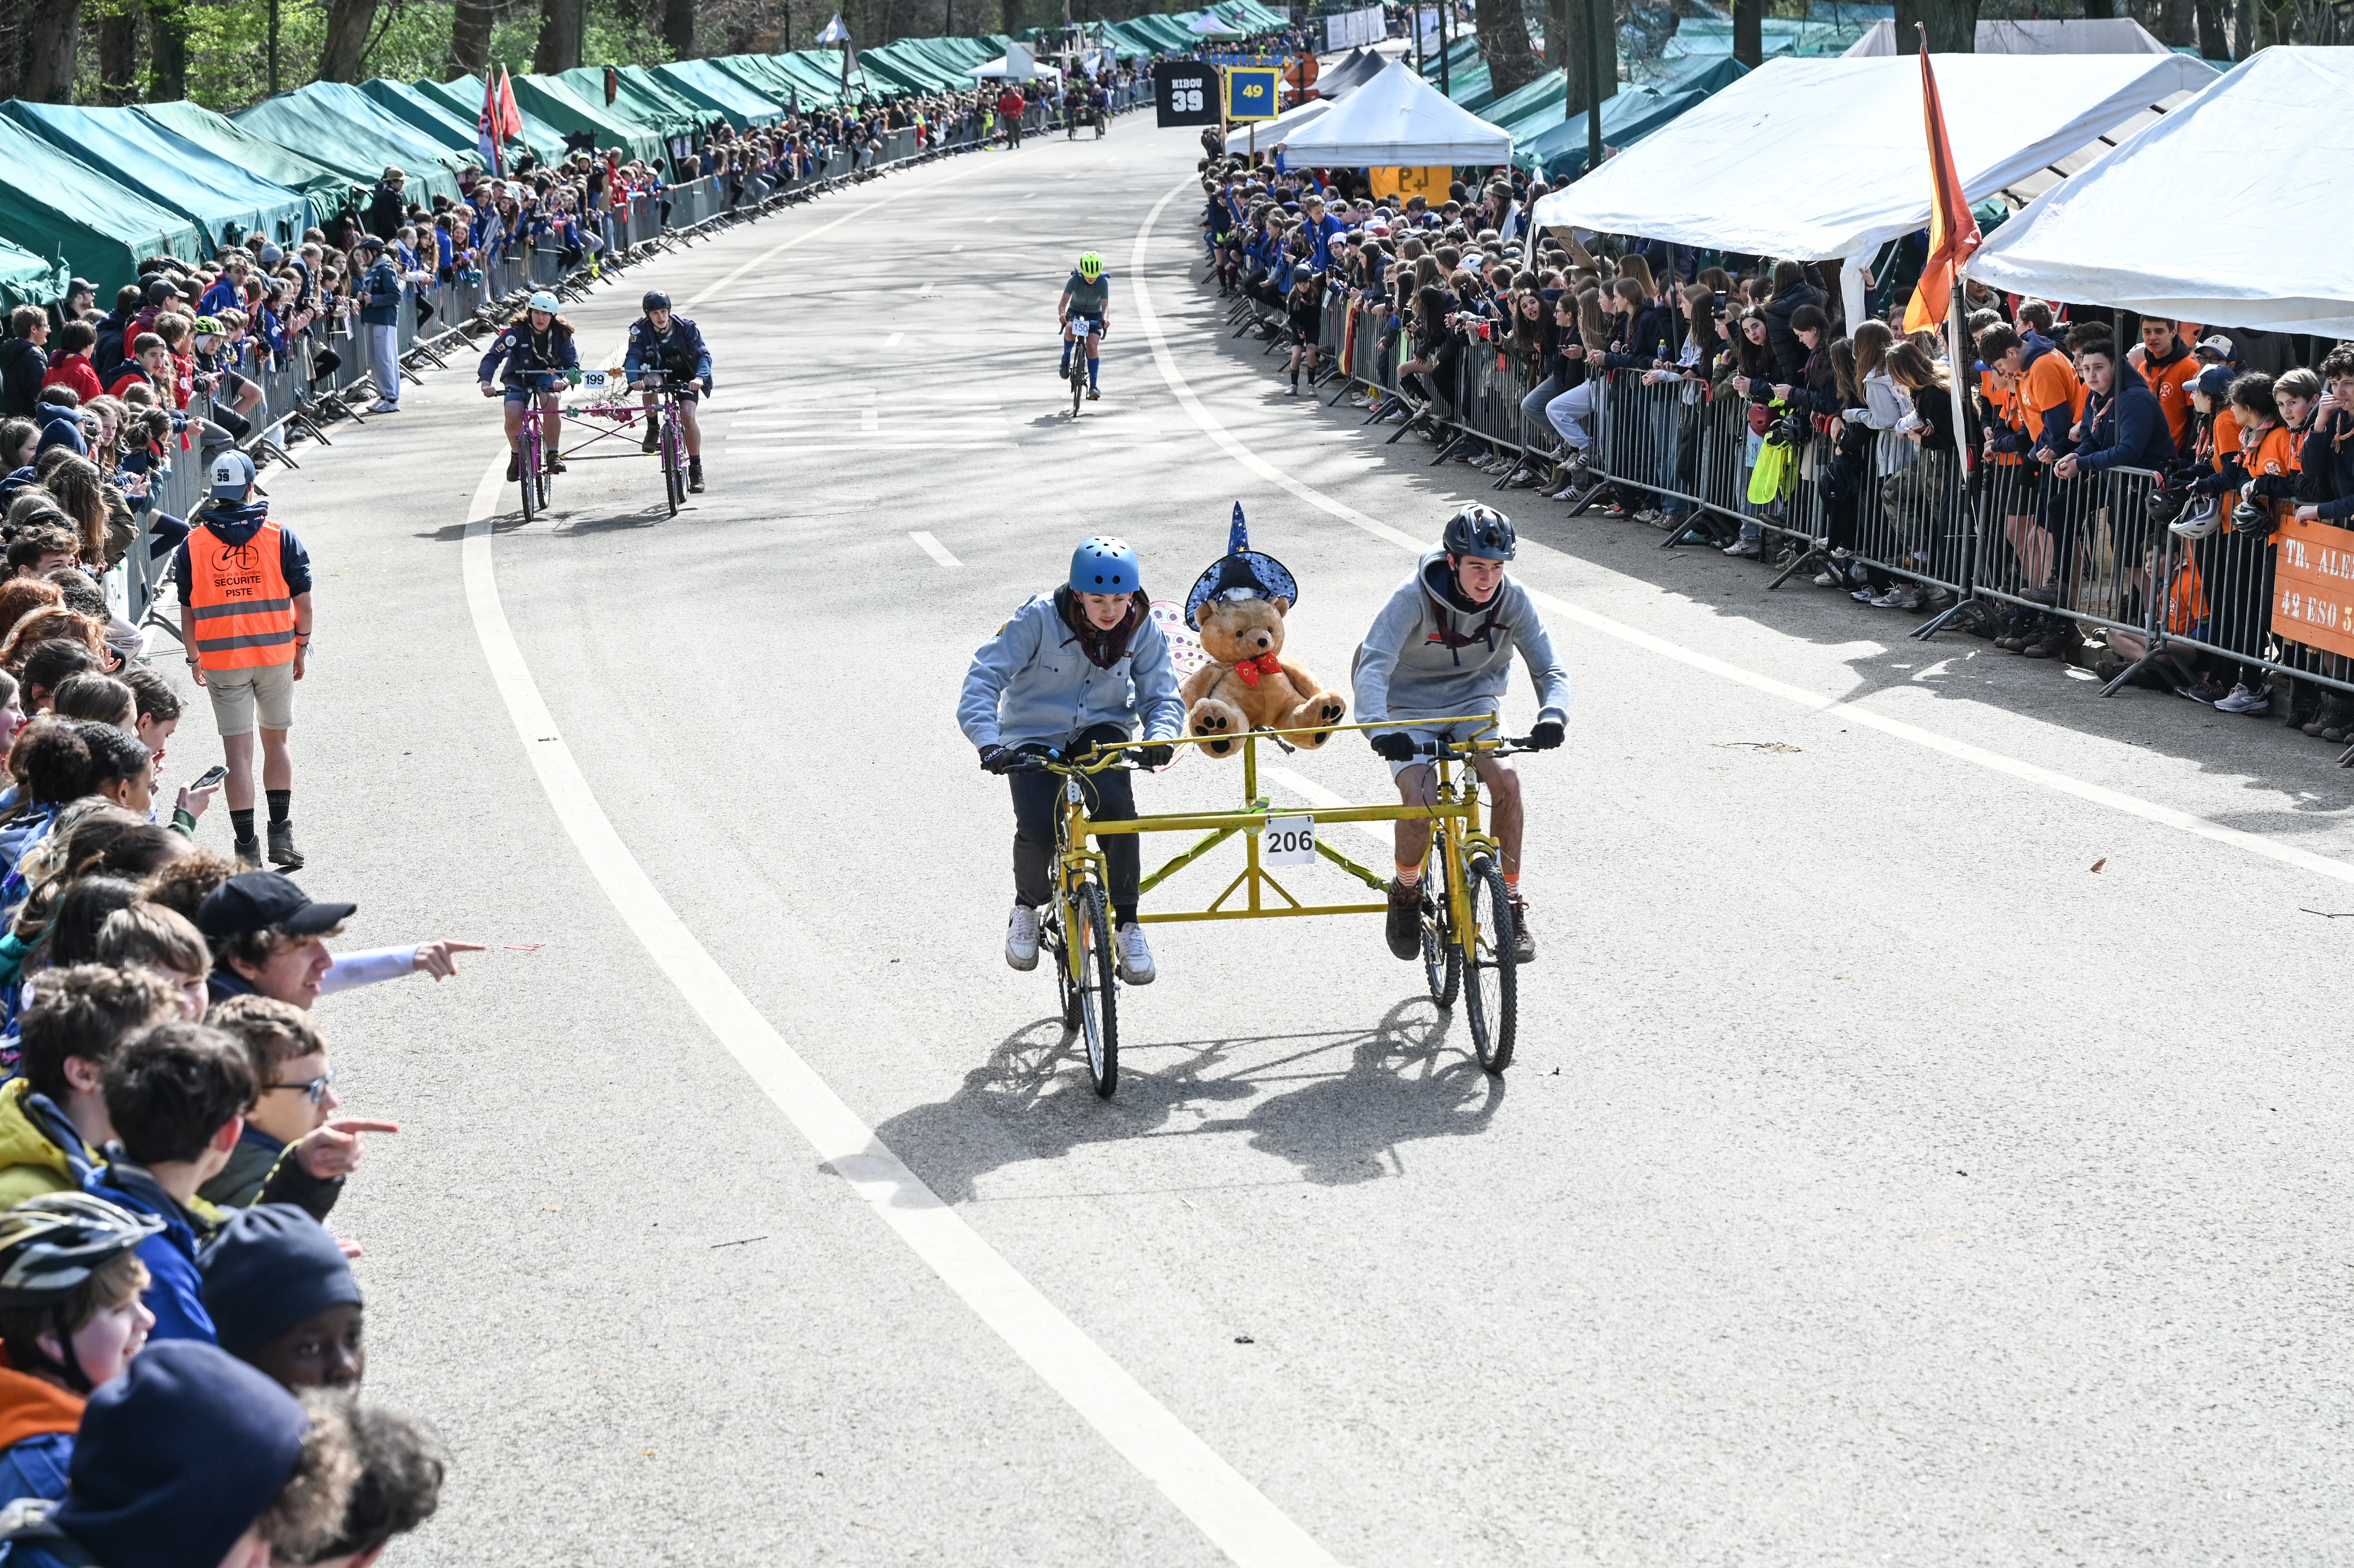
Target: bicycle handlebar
x=1453, y=751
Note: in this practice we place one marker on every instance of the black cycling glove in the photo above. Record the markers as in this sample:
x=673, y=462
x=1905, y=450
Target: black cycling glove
x=1393, y=745
x=1545, y=736
x=1156, y=756
x=994, y=758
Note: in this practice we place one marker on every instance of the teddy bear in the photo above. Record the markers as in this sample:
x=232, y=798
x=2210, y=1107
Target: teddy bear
x=1238, y=607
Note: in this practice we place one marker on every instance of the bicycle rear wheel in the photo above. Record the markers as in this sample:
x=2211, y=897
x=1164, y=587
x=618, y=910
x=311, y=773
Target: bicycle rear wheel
x=1442, y=964
x=1091, y=968
x=1491, y=991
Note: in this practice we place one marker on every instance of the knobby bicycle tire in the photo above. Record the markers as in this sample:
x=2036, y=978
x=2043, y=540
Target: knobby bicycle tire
x=1491, y=991
x=1442, y=964
x=1096, y=971
x=1050, y=937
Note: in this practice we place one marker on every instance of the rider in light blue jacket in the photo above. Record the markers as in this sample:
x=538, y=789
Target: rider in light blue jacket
x=1074, y=669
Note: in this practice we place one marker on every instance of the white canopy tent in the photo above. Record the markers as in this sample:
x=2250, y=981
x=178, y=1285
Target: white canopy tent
x=1816, y=159
x=1017, y=64
x=2264, y=243
x=2091, y=35
x=1267, y=135
x=1397, y=119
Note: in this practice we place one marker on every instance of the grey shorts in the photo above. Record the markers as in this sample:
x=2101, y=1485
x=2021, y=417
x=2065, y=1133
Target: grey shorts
x=239, y=696
x=1421, y=730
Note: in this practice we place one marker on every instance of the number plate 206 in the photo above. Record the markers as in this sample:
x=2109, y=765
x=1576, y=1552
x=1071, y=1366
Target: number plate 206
x=1290, y=841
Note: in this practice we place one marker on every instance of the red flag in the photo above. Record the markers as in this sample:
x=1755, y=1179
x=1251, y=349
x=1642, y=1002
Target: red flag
x=612, y=84
x=1953, y=227
x=510, y=116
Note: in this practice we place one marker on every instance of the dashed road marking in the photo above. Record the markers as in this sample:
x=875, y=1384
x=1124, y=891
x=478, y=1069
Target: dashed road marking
x=937, y=550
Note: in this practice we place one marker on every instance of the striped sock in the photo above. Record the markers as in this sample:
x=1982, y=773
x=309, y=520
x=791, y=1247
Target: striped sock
x=1511, y=884
x=1409, y=877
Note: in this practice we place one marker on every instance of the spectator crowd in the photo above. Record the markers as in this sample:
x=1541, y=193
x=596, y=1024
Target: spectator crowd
x=2128, y=481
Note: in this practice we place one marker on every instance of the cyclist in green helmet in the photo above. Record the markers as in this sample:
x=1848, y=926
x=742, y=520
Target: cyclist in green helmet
x=1086, y=304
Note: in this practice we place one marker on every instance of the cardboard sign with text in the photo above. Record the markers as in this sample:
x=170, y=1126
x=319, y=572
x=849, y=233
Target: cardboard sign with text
x=2313, y=586
x=1431, y=184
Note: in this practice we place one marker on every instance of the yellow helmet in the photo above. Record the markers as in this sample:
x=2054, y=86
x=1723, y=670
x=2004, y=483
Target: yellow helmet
x=1090, y=266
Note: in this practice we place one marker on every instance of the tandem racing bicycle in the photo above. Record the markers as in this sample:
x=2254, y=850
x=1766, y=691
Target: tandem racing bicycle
x=1466, y=922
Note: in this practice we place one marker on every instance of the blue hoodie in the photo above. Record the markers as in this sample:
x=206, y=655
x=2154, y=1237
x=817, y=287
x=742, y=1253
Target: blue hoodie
x=176, y=1292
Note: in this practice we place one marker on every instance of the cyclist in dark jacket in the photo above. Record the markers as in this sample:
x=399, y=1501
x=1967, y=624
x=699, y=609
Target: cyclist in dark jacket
x=538, y=353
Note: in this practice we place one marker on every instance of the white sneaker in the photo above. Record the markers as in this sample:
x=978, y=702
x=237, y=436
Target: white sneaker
x=1895, y=598
x=1022, y=938
x=2243, y=701
x=1135, y=957
x=381, y=407
x=1741, y=548
x=1824, y=579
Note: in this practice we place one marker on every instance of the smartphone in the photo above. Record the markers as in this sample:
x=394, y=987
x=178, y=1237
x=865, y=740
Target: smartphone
x=210, y=777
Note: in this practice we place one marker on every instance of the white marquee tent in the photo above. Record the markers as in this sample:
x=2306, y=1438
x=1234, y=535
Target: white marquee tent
x=1017, y=64
x=2264, y=242
x=1266, y=135
x=1397, y=119
x=2090, y=35
x=1817, y=159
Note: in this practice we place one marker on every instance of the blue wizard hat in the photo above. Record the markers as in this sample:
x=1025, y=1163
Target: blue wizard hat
x=1241, y=573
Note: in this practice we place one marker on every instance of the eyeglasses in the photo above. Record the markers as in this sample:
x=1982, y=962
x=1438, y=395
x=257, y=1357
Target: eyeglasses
x=316, y=1087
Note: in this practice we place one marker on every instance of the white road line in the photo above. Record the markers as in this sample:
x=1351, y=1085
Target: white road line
x=1235, y=1516
x=1853, y=713
x=1316, y=795
x=901, y=445
x=893, y=341
x=870, y=420
x=937, y=550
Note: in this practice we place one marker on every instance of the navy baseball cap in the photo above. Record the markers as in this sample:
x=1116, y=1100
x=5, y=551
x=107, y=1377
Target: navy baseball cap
x=256, y=900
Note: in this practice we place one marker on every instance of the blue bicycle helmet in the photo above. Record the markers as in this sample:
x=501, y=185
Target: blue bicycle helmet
x=1105, y=565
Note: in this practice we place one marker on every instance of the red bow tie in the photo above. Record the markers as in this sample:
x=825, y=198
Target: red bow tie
x=1250, y=670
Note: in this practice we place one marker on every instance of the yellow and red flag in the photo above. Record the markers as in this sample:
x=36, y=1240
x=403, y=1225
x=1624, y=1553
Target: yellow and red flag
x=1953, y=227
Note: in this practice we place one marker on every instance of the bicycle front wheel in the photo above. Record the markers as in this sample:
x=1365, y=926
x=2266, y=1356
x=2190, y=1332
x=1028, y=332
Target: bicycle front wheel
x=1442, y=964
x=527, y=467
x=674, y=471
x=1078, y=382
x=1491, y=991
x=1092, y=968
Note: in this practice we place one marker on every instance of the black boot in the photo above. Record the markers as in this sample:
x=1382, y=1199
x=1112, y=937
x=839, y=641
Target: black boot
x=1402, y=927
x=694, y=474
x=514, y=466
x=282, y=852
x=653, y=434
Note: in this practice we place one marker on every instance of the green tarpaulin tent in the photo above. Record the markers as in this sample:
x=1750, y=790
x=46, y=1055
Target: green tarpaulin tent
x=764, y=74
x=657, y=112
x=720, y=93
x=169, y=170
x=329, y=190
x=1626, y=118
x=462, y=98
x=52, y=206
x=27, y=280
x=337, y=124
x=825, y=65
x=653, y=90
x=412, y=108
x=553, y=99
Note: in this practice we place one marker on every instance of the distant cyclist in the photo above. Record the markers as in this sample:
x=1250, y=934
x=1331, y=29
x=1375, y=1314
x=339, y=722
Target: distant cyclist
x=666, y=349
x=1087, y=298
x=1074, y=669
x=1442, y=648
x=532, y=358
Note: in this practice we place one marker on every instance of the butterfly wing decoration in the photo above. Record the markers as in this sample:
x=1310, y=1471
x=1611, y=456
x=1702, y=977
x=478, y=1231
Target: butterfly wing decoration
x=1186, y=650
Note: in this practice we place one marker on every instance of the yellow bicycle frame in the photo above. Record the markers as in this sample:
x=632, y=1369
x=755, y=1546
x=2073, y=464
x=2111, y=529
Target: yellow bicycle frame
x=1454, y=813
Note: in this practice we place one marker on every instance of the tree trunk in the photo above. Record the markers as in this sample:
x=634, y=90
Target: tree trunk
x=1504, y=44
x=2175, y=24
x=1011, y=18
x=559, y=36
x=1749, y=32
x=2243, y=29
x=2214, y=43
x=1558, y=14
x=469, y=40
x=2100, y=10
x=349, y=22
x=53, y=29
x=678, y=27
x=1574, y=67
x=1953, y=25
x=118, y=56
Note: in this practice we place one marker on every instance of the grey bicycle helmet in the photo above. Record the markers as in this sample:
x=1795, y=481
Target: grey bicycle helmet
x=2201, y=517
x=1482, y=531
x=50, y=1244
x=656, y=299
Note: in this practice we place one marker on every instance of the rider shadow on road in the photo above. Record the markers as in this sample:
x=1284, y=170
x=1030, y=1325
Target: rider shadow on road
x=1031, y=1100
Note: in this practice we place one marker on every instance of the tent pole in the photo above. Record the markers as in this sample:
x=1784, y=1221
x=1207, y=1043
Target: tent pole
x=1594, y=83
x=1444, y=8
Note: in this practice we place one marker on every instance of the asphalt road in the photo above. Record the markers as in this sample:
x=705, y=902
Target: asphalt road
x=1928, y=1113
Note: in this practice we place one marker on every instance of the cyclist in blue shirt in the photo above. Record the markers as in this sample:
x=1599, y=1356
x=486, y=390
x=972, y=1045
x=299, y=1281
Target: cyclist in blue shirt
x=1087, y=299
x=666, y=349
x=538, y=353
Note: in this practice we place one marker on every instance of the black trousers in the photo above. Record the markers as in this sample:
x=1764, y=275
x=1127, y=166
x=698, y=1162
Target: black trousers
x=1111, y=795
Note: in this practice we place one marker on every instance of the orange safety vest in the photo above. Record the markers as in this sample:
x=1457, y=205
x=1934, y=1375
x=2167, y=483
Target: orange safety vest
x=244, y=615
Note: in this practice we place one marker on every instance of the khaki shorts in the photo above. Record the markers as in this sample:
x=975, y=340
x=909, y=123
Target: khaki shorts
x=236, y=693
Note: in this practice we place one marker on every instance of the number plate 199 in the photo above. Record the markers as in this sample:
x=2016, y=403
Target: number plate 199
x=1290, y=841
